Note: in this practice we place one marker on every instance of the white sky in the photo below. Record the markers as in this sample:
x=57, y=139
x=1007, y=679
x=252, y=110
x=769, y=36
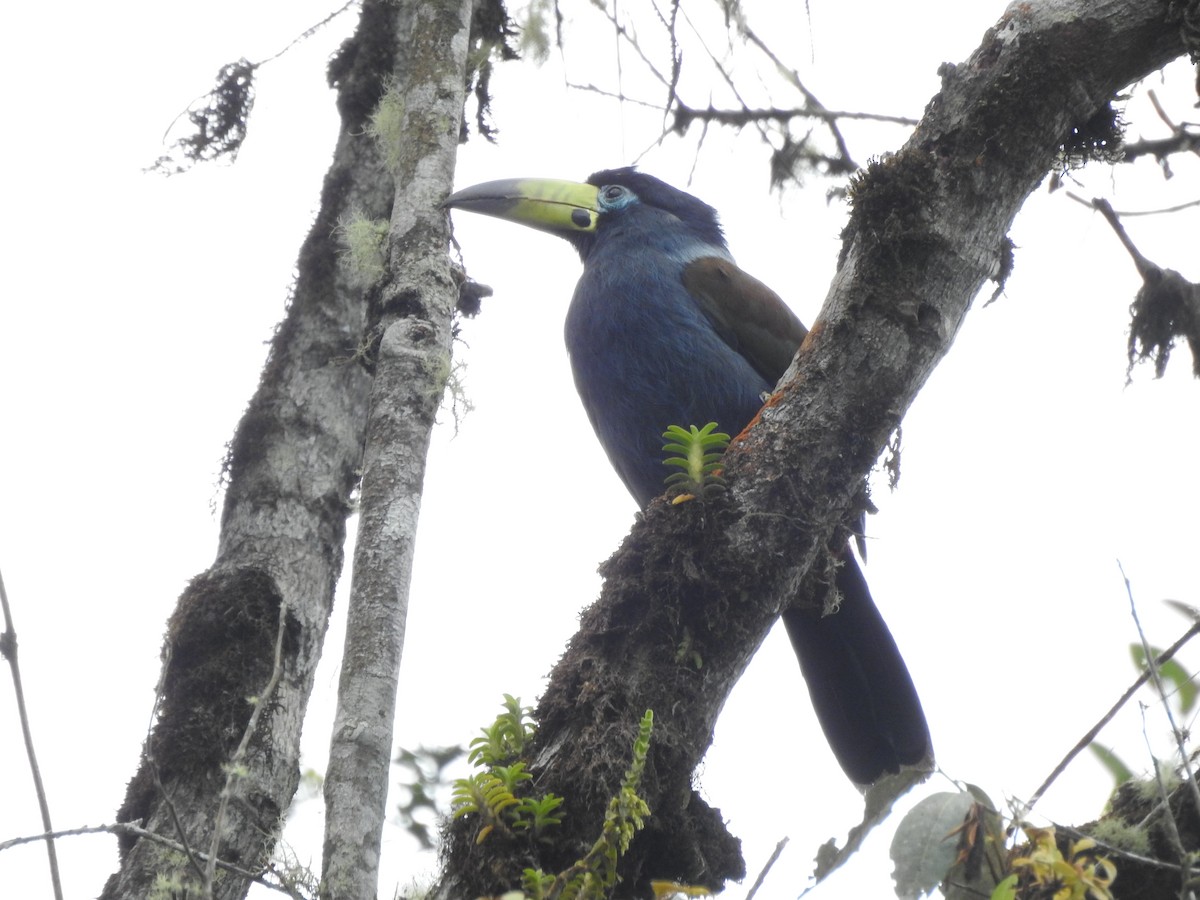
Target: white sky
x=133, y=327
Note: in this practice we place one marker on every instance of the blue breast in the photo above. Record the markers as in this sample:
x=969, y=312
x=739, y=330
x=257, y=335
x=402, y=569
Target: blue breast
x=644, y=355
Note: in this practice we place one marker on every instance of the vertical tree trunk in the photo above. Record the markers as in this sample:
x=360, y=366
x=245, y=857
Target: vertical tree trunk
x=292, y=465
x=415, y=305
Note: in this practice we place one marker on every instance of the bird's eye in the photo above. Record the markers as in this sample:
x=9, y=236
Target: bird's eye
x=612, y=193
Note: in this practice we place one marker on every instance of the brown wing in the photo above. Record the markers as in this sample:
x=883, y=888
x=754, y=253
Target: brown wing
x=747, y=314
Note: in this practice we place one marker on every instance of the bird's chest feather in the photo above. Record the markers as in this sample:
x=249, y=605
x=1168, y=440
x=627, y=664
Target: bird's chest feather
x=644, y=356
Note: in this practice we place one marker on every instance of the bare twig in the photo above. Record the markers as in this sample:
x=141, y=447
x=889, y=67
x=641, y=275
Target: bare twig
x=1182, y=141
x=133, y=830
x=1113, y=850
x=1124, y=213
x=1141, y=262
x=115, y=828
x=744, y=116
x=8, y=649
x=669, y=23
x=768, y=122
x=233, y=767
x=591, y=88
x=253, y=67
x=1152, y=667
x=1108, y=716
x=1171, y=827
x=726, y=77
x=622, y=32
x=1162, y=113
x=809, y=97
x=152, y=762
x=762, y=876
x=310, y=31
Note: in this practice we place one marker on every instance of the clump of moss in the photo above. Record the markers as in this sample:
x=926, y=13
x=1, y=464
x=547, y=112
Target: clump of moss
x=363, y=241
x=385, y=125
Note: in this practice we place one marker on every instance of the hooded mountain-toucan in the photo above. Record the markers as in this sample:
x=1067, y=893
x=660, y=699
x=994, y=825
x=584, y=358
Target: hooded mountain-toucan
x=664, y=329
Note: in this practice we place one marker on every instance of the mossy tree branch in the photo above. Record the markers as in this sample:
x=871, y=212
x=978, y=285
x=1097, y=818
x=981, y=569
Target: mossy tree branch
x=928, y=229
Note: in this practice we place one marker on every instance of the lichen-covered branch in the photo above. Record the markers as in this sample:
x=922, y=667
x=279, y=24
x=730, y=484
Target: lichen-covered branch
x=291, y=467
x=408, y=351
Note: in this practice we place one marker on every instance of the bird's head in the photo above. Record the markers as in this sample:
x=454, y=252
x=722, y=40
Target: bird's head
x=585, y=213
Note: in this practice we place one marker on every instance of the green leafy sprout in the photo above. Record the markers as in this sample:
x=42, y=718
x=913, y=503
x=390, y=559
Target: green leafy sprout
x=505, y=739
x=492, y=793
x=698, y=452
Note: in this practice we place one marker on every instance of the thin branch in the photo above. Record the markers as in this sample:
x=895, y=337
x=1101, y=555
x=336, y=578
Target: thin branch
x=115, y=828
x=762, y=876
x=1162, y=113
x=128, y=828
x=678, y=115
x=737, y=117
x=1152, y=668
x=220, y=117
x=729, y=81
x=1137, y=212
x=1113, y=850
x=1108, y=716
x=1167, y=306
x=696, y=155
x=310, y=31
x=794, y=77
x=233, y=768
x=8, y=649
x=1144, y=266
x=1182, y=141
x=622, y=32
x=1172, y=827
x=676, y=56
x=591, y=88
x=152, y=762
x=253, y=67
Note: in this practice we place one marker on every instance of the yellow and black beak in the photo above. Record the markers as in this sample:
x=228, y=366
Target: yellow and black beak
x=564, y=208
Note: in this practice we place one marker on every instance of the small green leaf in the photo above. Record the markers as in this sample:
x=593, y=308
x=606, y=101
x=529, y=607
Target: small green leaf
x=1006, y=889
x=1172, y=671
x=1116, y=766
